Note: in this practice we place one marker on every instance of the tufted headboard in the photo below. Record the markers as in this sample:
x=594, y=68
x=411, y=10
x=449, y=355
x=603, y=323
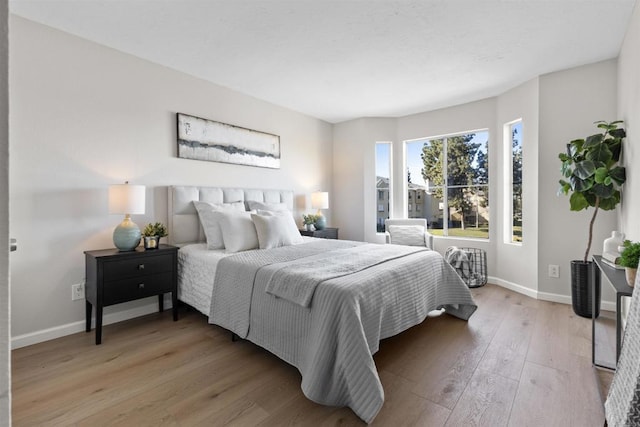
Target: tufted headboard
x=184, y=226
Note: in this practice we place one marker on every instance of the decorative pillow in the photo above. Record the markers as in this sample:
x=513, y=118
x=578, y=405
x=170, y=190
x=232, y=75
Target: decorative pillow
x=211, y=223
x=276, y=229
x=238, y=231
x=273, y=207
x=409, y=235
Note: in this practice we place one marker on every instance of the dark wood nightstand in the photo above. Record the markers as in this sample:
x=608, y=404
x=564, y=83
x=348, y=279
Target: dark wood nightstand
x=327, y=233
x=114, y=277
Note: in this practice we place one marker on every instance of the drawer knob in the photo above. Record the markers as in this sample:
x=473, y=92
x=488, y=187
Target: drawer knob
x=140, y=266
x=141, y=286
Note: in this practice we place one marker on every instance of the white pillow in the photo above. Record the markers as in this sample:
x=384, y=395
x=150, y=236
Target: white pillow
x=294, y=233
x=409, y=235
x=276, y=229
x=273, y=207
x=238, y=231
x=210, y=222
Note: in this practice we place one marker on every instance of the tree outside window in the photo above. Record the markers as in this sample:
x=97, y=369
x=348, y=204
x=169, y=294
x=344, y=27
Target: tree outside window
x=455, y=173
x=515, y=129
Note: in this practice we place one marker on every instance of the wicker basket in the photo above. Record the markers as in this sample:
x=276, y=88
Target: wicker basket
x=469, y=263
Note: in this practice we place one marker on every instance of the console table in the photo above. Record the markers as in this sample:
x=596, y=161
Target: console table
x=617, y=280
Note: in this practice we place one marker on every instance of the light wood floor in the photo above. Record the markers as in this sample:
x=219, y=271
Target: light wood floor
x=517, y=362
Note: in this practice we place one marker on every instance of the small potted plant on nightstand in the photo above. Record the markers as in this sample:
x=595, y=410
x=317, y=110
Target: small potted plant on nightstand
x=152, y=234
x=629, y=260
x=309, y=222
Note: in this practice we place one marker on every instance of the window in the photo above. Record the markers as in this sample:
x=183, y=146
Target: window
x=383, y=181
x=452, y=173
x=513, y=169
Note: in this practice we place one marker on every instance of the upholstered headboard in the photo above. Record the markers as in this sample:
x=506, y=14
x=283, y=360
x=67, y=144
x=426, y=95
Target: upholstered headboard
x=184, y=226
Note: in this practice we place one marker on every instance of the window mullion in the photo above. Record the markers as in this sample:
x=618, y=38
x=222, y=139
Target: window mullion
x=445, y=189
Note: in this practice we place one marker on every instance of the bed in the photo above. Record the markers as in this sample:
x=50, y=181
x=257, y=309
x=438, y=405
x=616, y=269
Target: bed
x=325, y=318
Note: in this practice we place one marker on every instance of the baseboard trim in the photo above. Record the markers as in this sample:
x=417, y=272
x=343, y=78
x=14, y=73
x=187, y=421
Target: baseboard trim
x=514, y=287
x=544, y=296
x=75, y=327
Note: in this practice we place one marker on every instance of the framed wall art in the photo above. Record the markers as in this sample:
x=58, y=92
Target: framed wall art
x=203, y=139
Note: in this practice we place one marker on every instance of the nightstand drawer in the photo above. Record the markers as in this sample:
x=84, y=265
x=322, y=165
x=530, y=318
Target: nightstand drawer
x=136, y=287
x=136, y=267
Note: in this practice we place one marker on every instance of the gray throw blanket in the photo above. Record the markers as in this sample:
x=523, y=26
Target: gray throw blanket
x=296, y=280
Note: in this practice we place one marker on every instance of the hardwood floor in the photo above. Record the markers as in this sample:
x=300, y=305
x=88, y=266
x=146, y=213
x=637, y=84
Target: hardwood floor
x=517, y=362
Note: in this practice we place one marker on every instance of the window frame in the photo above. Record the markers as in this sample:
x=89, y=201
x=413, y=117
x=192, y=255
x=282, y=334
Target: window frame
x=508, y=232
x=445, y=187
x=390, y=189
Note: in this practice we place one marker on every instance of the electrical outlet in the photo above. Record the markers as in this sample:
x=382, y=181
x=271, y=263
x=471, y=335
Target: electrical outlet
x=77, y=291
x=554, y=270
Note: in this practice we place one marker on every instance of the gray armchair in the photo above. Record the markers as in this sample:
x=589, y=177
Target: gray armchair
x=421, y=222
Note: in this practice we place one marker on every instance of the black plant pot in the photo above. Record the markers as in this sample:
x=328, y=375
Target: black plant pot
x=582, y=276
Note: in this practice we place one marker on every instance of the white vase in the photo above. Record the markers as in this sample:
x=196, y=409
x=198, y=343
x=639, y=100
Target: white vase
x=612, y=243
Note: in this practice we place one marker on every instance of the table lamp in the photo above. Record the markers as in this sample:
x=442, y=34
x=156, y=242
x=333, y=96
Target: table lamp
x=320, y=200
x=127, y=200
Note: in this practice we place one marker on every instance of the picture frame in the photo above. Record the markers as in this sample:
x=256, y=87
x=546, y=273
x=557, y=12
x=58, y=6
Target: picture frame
x=209, y=140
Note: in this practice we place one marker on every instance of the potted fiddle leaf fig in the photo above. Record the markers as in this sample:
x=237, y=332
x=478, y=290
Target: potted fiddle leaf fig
x=592, y=177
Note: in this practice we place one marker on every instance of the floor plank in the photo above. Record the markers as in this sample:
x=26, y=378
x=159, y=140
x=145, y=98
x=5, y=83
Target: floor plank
x=515, y=356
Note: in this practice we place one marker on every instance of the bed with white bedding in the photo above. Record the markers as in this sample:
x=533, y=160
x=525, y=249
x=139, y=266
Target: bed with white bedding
x=326, y=321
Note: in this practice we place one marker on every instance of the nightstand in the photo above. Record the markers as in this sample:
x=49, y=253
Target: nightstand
x=326, y=233
x=114, y=277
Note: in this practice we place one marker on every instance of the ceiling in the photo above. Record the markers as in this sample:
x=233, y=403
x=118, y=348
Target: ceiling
x=339, y=60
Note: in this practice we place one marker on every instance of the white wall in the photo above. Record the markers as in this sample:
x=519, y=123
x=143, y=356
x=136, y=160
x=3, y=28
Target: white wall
x=84, y=116
x=570, y=101
x=516, y=264
x=629, y=111
x=354, y=180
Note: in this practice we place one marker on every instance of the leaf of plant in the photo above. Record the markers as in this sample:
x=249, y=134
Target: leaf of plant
x=578, y=202
x=603, y=191
x=585, y=169
x=611, y=202
x=618, y=175
x=600, y=153
x=618, y=133
x=593, y=141
x=600, y=175
x=575, y=146
x=580, y=185
x=615, y=145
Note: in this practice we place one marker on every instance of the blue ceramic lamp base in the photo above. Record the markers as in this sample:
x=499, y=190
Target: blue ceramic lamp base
x=321, y=222
x=126, y=235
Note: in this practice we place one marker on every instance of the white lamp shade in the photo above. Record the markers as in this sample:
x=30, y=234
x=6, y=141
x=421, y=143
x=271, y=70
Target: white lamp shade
x=126, y=199
x=320, y=200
